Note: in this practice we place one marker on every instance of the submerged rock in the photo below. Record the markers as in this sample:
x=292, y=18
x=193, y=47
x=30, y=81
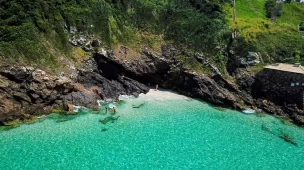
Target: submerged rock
x=108, y=119
x=104, y=129
x=285, y=137
x=220, y=108
x=288, y=139
x=138, y=106
x=265, y=128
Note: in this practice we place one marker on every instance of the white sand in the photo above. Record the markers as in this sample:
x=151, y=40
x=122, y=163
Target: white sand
x=162, y=95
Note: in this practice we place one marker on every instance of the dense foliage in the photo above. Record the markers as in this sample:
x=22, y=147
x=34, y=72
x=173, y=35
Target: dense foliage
x=36, y=31
x=29, y=29
x=186, y=23
x=195, y=25
x=277, y=41
x=24, y=23
x=273, y=9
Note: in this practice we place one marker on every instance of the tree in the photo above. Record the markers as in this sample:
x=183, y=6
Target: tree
x=274, y=9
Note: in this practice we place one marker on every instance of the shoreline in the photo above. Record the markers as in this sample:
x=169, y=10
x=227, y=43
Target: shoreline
x=153, y=94
x=162, y=94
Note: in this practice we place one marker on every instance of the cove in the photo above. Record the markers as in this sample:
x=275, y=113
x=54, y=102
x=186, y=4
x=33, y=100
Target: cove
x=160, y=130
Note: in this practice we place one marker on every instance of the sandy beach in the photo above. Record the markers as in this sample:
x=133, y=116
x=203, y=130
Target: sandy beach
x=162, y=94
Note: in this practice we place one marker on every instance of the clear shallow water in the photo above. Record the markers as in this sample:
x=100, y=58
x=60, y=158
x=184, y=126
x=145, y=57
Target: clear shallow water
x=171, y=134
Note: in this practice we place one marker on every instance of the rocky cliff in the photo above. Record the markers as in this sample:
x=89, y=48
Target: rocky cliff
x=25, y=91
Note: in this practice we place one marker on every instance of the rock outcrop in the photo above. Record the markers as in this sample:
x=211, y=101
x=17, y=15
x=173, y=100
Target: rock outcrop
x=168, y=73
x=26, y=91
x=109, y=76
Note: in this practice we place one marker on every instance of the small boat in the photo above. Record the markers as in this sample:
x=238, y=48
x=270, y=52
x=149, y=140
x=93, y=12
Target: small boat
x=248, y=111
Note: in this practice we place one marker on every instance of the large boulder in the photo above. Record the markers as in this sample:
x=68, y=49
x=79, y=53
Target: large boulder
x=95, y=43
x=109, y=76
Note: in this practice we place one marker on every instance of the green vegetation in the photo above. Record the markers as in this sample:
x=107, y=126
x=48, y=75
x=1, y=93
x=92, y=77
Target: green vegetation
x=193, y=65
x=36, y=31
x=293, y=14
x=59, y=111
x=14, y=123
x=26, y=26
x=273, y=9
x=278, y=41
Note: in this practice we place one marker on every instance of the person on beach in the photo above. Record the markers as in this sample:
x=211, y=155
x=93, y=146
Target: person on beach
x=106, y=110
x=114, y=109
x=156, y=88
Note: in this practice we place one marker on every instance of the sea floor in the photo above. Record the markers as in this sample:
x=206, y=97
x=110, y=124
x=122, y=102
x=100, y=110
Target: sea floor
x=160, y=130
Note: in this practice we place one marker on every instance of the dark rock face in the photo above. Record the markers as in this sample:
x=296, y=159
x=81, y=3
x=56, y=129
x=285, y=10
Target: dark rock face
x=275, y=94
x=95, y=43
x=276, y=86
x=112, y=88
x=167, y=73
x=25, y=90
x=198, y=86
x=158, y=70
x=110, y=76
x=245, y=81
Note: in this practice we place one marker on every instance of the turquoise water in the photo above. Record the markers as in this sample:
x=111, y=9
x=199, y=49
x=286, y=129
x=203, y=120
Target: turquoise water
x=171, y=134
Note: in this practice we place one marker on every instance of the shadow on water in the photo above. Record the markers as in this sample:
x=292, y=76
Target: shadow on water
x=58, y=118
x=281, y=134
x=109, y=119
x=138, y=105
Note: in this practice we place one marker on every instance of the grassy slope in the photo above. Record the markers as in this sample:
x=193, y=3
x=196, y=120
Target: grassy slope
x=250, y=9
x=293, y=14
x=279, y=40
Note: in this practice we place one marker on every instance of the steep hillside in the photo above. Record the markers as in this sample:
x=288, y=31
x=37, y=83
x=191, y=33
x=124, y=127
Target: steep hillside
x=32, y=31
x=38, y=31
x=277, y=39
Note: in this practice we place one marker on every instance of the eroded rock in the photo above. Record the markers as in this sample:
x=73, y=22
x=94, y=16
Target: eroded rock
x=25, y=90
